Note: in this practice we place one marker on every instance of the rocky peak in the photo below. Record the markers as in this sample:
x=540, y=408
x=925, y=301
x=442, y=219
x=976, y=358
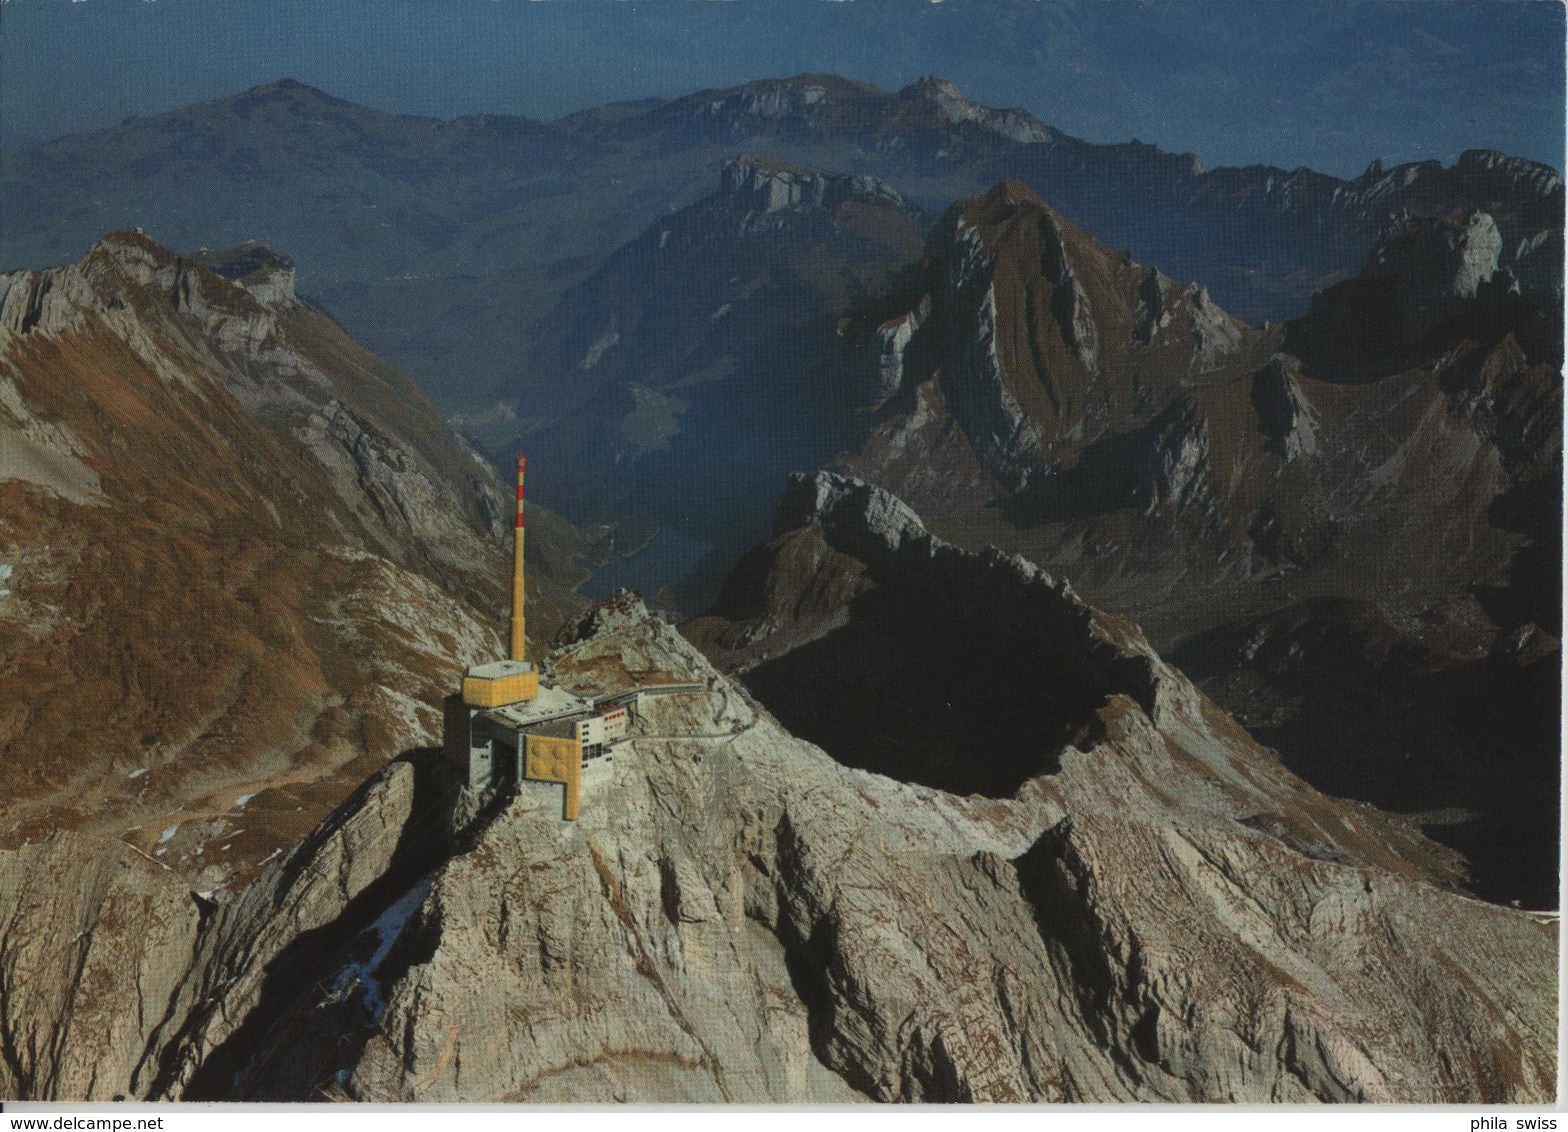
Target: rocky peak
x=1437, y=258
x=765, y=185
x=1042, y=338
x=1425, y=275
x=1285, y=415
x=944, y=95
x=1510, y=175
x=267, y=274
x=621, y=611
x=128, y=272
x=859, y=510
x=283, y=94
x=1122, y=897
x=954, y=109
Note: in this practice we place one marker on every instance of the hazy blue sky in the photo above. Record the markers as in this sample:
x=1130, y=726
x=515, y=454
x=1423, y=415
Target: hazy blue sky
x=1323, y=83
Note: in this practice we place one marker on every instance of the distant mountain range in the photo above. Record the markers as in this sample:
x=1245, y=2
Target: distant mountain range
x=443, y=245
x=1256, y=410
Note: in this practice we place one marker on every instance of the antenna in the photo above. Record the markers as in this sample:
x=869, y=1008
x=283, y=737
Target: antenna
x=519, y=645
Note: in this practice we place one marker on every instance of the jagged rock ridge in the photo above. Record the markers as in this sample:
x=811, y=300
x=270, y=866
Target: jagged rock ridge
x=1204, y=475
x=1036, y=342
x=503, y=215
x=1158, y=912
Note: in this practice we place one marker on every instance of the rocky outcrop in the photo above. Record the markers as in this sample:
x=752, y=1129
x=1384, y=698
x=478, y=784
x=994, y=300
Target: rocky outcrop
x=1070, y=302
x=922, y=116
x=1433, y=265
x=266, y=273
x=61, y=299
x=269, y=947
x=1217, y=337
x=954, y=109
x=767, y=186
x=1502, y=176
x=1285, y=415
x=94, y=940
x=1426, y=282
x=119, y=982
x=1174, y=473
x=893, y=340
x=976, y=382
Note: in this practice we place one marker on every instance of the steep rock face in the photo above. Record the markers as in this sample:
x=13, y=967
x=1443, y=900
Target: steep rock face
x=936, y=944
x=236, y=550
x=120, y=982
x=1347, y=473
x=768, y=186
x=1000, y=430
x=267, y=949
x=264, y=272
x=1389, y=463
x=1155, y=910
x=1285, y=414
x=1174, y=474
x=1040, y=341
x=1322, y=226
x=93, y=942
x=1424, y=276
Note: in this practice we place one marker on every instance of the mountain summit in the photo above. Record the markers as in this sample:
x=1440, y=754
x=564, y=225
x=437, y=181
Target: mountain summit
x=1115, y=894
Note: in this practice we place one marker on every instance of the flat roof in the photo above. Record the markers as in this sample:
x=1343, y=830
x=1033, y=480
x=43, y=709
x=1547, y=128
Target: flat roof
x=551, y=703
x=497, y=669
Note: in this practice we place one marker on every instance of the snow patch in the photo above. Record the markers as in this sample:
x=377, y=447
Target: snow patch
x=387, y=929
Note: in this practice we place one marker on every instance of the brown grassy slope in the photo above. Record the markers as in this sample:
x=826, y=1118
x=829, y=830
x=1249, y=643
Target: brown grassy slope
x=230, y=621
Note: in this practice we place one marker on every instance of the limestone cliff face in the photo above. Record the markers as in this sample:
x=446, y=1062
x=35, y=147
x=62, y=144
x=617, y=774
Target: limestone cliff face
x=1145, y=905
x=119, y=982
x=1039, y=340
x=769, y=186
x=1285, y=413
x=415, y=492
x=94, y=940
x=1426, y=282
